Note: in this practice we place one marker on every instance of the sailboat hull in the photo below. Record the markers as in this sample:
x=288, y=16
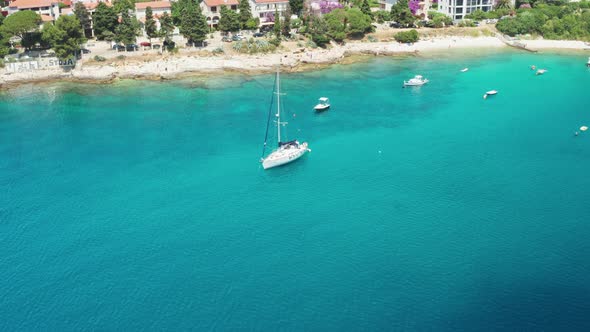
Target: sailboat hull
x=284, y=155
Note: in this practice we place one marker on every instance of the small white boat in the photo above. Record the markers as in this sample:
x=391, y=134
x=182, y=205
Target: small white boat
x=588, y=63
x=323, y=104
x=490, y=93
x=541, y=71
x=418, y=80
x=583, y=128
x=464, y=70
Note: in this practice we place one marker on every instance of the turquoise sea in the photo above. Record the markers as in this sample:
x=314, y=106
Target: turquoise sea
x=143, y=206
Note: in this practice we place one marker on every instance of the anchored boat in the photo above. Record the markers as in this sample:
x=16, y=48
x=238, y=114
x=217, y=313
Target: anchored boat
x=285, y=152
x=418, y=80
x=323, y=104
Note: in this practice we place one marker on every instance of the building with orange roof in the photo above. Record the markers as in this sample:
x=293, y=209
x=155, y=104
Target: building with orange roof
x=158, y=8
x=47, y=8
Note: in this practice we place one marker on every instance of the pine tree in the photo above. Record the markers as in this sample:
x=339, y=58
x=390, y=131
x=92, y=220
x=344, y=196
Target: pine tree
x=401, y=13
x=126, y=31
x=245, y=13
x=277, y=27
x=193, y=25
x=105, y=20
x=65, y=36
x=366, y=8
x=150, y=24
x=287, y=21
x=83, y=15
x=296, y=6
x=229, y=20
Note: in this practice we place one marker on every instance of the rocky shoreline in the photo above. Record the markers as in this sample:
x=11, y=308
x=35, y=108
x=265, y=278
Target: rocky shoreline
x=174, y=67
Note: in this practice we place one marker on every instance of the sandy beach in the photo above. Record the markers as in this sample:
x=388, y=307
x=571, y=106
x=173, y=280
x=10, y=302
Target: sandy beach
x=293, y=59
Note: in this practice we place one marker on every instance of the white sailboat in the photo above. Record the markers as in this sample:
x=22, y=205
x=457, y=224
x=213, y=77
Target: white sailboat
x=285, y=152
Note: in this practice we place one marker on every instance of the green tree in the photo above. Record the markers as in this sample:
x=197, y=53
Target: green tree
x=358, y=22
x=166, y=29
x=65, y=36
x=193, y=24
x=105, y=20
x=318, y=30
x=277, y=27
x=407, y=36
x=127, y=30
x=337, y=21
x=229, y=20
x=150, y=24
x=166, y=26
x=287, y=22
x=83, y=16
x=296, y=6
x=383, y=16
x=178, y=8
x=123, y=6
x=245, y=13
x=503, y=4
x=21, y=24
x=401, y=13
x=366, y=8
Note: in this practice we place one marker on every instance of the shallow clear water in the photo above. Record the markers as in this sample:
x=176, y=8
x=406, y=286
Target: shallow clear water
x=142, y=205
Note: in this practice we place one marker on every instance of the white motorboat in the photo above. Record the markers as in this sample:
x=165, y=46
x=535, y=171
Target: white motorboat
x=323, y=104
x=418, y=80
x=588, y=63
x=583, y=128
x=285, y=152
x=490, y=93
x=541, y=71
x=464, y=70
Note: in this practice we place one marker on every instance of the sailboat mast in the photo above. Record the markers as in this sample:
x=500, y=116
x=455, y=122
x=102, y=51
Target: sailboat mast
x=278, y=107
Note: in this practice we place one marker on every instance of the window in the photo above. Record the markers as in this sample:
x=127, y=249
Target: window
x=459, y=10
x=234, y=7
x=459, y=2
x=214, y=9
x=458, y=17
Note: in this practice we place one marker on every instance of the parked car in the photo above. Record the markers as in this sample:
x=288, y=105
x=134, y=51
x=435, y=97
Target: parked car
x=236, y=37
x=226, y=39
x=145, y=44
x=259, y=34
x=395, y=25
x=85, y=50
x=131, y=47
x=119, y=48
x=156, y=46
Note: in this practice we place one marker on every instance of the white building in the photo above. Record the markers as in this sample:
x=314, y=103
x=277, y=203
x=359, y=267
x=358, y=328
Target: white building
x=48, y=9
x=386, y=4
x=457, y=9
x=212, y=9
x=158, y=8
x=264, y=9
x=261, y=9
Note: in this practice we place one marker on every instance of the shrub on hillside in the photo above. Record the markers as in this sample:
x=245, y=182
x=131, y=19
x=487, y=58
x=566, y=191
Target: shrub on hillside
x=407, y=36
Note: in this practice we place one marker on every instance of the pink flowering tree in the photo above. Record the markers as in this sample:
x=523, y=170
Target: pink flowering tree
x=414, y=6
x=327, y=6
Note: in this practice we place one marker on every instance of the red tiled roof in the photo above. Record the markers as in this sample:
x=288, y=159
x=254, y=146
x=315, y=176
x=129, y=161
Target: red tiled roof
x=26, y=4
x=153, y=4
x=214, y=3
x=46, y=18
x=93, y=5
